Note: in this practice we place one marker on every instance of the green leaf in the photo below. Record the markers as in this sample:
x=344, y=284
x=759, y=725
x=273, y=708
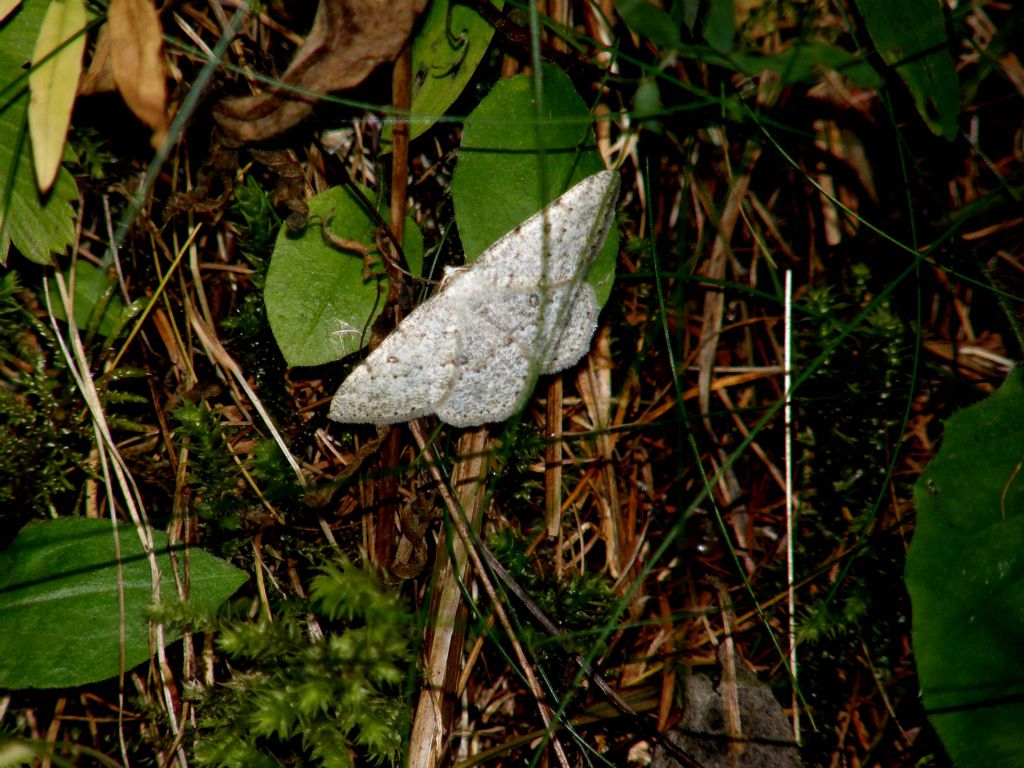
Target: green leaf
x=446, y=51
x=59, y=616
x=516, y=158
x=910, y=36
x=319, y=303
x=803, y=62
x=965, y=574
x=36, y=224
x=647, y=106
x=686, y=11
x=720, y=25
x=94, y=293
x=650, y=21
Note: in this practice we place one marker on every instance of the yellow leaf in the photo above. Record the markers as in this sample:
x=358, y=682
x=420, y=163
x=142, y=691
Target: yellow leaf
x=136, y=57
x=6, y=6
x=53, y=84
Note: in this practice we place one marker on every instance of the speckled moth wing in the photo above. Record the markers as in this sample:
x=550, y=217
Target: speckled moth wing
x=493, y=372
x=408, y=374
x=466, y=354
x=574, y=341
x=577, y=224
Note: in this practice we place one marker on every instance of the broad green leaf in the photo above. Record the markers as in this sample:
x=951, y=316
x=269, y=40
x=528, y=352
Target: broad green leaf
x=94, y=293
x=38, y=225
x=720, y=25
x=320, y=304
x=516, y=158
x=648, y=20
x=447, y=49
x=965, y=575
x=59, y=618
x=53, y=83
x=137, y=61
x=910, y=36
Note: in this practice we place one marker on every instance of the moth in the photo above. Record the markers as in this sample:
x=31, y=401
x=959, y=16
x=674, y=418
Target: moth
x=472, y=352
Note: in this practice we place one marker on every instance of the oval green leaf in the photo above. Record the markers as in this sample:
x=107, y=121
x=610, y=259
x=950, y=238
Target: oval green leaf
x=320, y=302
x=965, y=575
x=446, y=51
x=59, y=618
x=910, y=36
x=651, y=21
x=516, y=158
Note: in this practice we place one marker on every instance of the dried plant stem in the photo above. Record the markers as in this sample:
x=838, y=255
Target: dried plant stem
x=78, y=365
x=594, y=384
x=553, y=458
x=388, y=493
x=219, y=355
x=711, y=328
x=468, y=482
x=790, y=529
x=445, y=635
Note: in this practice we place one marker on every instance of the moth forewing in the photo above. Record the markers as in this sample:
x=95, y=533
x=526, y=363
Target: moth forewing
x=473, y=352
x=574, y=230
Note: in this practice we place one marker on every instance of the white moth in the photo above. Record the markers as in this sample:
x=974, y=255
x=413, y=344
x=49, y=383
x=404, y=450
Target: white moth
x=473, y=351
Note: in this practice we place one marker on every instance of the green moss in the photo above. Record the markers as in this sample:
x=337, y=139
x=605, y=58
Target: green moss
x=319, y=685
x=44, y=441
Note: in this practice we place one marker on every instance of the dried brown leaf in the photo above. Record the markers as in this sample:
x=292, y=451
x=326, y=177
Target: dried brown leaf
x=53, y=84
x=99, y=77
x=349, y=39
x=136, y=57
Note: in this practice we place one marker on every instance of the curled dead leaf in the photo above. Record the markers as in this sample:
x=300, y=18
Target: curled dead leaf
x=98, y=77
x=137, y=64
x=349, y=39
